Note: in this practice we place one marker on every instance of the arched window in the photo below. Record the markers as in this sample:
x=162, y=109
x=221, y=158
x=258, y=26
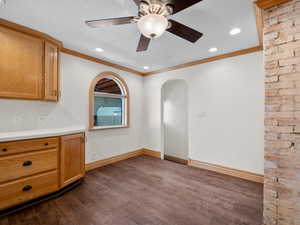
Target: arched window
x=109, y=99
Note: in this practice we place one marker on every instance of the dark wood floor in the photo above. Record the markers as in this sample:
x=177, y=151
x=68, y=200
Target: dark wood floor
x=148, y=191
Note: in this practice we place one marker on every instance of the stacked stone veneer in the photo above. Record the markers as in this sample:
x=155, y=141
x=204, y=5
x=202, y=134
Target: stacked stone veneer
x=282, y=114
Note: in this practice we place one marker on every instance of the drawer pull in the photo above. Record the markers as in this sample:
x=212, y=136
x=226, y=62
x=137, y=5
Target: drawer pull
x=4, y=150
x=27, y=163
x=46, y=144
x=27, y=188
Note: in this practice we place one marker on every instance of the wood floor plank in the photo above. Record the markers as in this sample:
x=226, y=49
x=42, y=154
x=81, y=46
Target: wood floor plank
x=148, y=191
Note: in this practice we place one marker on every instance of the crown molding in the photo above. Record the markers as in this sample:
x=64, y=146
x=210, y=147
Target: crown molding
x=266, y=4
x=29, y=31
x=259, y=23
x=38, y=34
x=259, y=26
x=177, y=67
x=206, y=60
x=100, y=61
x=35, y=33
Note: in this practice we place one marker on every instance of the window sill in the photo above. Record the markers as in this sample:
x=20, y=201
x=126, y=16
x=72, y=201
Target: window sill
x=108, y=127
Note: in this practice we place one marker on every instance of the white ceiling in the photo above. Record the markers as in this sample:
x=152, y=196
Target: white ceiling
x=64, y=20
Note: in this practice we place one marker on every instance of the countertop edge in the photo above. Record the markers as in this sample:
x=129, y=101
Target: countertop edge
x=33, y=134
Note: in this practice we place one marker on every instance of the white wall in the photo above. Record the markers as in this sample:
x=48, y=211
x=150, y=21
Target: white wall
x=175, y=118
x=72, y=110
x=226, y=111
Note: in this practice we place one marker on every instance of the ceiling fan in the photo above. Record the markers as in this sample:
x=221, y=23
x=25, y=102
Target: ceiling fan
x=152, y=21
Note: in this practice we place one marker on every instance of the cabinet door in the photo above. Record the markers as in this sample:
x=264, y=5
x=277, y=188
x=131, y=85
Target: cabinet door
x=72, y=158
x=21, y=65
x=51, y=72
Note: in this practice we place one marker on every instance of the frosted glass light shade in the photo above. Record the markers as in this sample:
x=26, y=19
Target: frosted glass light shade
x=152, y=25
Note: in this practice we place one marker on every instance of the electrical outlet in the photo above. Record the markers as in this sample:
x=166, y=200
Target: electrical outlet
x=18, y=119
x=42, y=118
x=201, y=115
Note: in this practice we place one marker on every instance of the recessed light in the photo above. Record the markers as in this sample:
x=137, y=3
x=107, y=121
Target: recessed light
x=99, y=49
x=214, y=49
x=146, y=67
x=235, y=31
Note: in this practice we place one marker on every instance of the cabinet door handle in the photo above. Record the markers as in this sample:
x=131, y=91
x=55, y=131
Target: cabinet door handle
x=46, y=144
x=27, y=188
x=27, y=163
x=4, y=150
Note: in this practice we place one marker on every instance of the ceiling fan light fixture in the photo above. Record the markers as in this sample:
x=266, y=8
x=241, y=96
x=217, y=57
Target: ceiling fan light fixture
x=153, y=25
x=152, y=21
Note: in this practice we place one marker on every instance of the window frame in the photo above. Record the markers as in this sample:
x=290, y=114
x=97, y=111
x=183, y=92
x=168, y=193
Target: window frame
x=125, y=95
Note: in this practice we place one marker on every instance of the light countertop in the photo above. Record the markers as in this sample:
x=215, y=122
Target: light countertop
x=39, y=133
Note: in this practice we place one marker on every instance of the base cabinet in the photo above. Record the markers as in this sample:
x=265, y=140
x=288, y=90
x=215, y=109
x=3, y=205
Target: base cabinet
x=72, y=158
x=28, y=188
x=33, y=168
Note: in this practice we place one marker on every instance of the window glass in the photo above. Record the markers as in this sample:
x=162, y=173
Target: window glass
x=108, y=111
x=109, y=98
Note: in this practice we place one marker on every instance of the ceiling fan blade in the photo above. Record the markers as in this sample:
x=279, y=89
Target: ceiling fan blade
x=184, y=32
x=182, y=4
x=137, y=2
x=143, y=44
x=108, y=22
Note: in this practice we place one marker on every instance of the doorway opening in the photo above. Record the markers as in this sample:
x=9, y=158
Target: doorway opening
x=175, y=121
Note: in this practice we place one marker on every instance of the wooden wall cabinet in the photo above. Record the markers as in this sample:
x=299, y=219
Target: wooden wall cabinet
x=21, y=65
x=51, y=72
x=72, y=158
x=33, y=168
x=28, y=65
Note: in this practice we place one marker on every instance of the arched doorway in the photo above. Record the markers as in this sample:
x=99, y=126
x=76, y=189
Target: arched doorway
x=175, y=121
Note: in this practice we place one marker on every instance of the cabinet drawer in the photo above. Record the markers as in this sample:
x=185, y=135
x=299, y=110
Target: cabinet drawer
x=25, y=189
x=17, y=166
x=13, y=147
